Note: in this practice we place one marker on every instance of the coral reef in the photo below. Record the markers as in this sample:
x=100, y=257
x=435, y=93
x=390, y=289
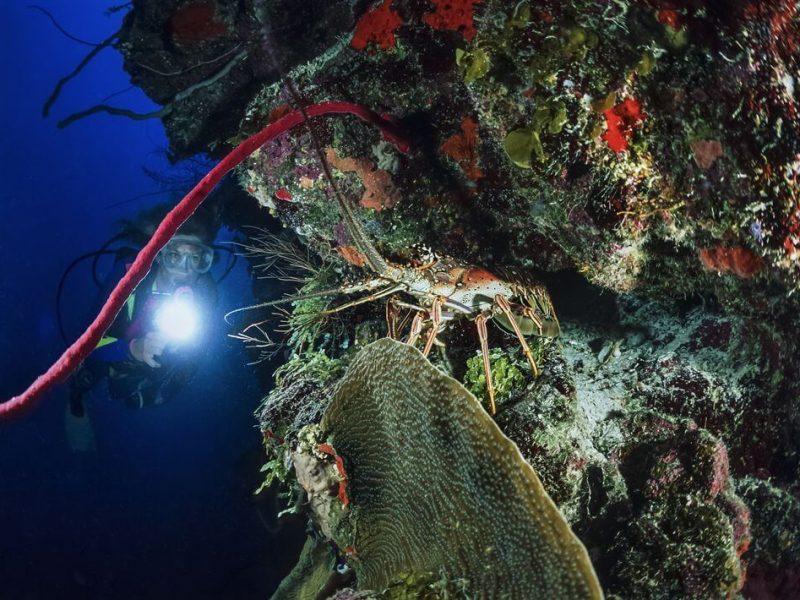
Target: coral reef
x=623, y=146
x=202, y=60
x=648, y=147
x=626, y=139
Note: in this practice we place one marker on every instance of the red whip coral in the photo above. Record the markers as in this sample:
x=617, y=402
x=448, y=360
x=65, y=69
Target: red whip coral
x=378, y=26
x=736, y=259
x=453, y=15
x=461, y=148
x=83, y=346
x=621, y=120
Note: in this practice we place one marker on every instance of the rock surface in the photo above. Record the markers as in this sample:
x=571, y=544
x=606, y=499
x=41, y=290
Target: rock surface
x=649, y=147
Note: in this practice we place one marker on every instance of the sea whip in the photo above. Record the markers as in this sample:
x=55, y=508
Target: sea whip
x=68, y=362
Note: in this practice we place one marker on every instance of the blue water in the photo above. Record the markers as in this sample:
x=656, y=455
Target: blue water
x=162, y=508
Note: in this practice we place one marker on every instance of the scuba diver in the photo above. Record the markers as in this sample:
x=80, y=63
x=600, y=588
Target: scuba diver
x=153, y=348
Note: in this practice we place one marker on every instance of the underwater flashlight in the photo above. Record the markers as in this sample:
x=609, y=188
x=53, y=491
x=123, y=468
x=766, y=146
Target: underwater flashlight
x=178, y=318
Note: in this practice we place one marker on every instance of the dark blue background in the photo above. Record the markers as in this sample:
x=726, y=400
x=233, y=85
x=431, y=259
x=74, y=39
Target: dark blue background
x=163, y=508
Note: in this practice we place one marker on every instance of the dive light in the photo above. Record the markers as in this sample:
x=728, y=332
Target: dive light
x=178, y=318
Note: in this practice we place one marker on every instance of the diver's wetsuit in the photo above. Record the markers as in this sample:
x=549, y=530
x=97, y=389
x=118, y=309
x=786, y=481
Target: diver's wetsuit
x=132, y=381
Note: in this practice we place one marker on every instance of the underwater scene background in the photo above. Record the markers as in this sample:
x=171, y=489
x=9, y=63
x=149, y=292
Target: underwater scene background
x=540, y=338
x=163, y=505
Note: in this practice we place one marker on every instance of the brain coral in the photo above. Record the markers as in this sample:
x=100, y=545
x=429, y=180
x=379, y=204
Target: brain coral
x=435, y=486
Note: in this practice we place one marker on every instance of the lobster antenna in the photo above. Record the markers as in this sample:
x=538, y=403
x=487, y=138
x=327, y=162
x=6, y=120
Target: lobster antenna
x=286, y=300
x=373, y=258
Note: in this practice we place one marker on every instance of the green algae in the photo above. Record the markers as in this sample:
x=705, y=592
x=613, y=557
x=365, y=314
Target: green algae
x=508, y=375
x=474, y=63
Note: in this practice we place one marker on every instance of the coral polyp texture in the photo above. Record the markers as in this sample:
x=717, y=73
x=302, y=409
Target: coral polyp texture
x=435, y=486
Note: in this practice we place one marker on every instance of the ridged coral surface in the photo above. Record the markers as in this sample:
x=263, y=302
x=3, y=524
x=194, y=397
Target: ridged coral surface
x=437, y=486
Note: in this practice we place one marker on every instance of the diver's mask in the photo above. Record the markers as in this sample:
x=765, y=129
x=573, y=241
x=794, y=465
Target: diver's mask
x=186, y=254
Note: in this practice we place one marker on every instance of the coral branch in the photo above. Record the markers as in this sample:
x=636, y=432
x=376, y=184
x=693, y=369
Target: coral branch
x=86, y=60
x=118, y=7
x=83, y=346
x=58, y=26
x=115, y=111
x=197, y=65
x=164, y=110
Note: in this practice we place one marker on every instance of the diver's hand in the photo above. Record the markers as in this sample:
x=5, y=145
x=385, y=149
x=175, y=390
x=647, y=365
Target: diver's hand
x=148, y=348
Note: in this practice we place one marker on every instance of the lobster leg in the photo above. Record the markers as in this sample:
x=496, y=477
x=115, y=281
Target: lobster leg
x=436, y=320
x=416, y=329
x=483, y=335
x=543, y=299
x=392, y=314
x=504, y=306
x=414, y=307
x=529, y=312
x=539, y=300
x=364, y=299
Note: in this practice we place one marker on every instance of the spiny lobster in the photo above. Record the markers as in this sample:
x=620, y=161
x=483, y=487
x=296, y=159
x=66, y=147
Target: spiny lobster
x=444, y=289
